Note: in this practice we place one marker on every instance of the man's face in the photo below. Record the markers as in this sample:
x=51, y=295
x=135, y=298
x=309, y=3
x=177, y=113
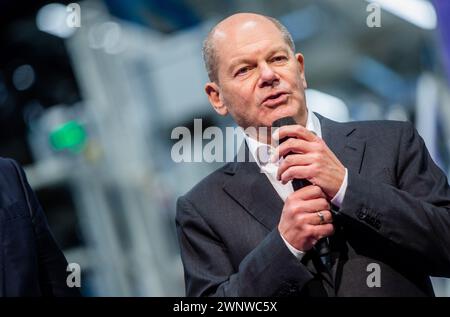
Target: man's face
x=259, y=77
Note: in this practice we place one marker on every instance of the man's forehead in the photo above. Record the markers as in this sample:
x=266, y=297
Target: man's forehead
x=249, y=33
x=241, y=35
x=232, y=28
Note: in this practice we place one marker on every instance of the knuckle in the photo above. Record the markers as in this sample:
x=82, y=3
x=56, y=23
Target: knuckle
x=308, y=172
x=286, y=174
x=319, y=146
x=286, y=144
x=300, y=219
x=295, y=170
x=288, y=160
x=299, y=195
x=290, y=207
x=318, y=150
x=317, y=191
x=293, y=207
x=316, y=156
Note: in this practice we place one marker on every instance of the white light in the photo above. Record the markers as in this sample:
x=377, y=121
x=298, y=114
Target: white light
x=398, y=113
x=327, y=105
x=417, y=12
x=52, y=18
x=107, y=35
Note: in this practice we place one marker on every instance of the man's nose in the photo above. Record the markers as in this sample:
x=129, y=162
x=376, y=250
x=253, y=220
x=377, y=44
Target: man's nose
x=268, y=77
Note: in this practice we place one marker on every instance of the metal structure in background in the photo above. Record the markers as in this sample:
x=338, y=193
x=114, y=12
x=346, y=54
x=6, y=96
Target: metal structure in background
x=138, y=84
x=120, y=198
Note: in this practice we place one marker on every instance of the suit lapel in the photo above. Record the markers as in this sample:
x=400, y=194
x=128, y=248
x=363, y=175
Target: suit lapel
x=342, y=140
x=253, y=191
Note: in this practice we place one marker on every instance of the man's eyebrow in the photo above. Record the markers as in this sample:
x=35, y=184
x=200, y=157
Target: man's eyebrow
x=246, y=60
x=278, y=49
x=237, y=62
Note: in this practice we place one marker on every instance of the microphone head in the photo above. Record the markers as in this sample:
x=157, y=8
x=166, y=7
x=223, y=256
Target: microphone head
x=283, y=121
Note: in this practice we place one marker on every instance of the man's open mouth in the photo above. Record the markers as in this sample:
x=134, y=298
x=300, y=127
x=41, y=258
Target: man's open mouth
x=275, y=99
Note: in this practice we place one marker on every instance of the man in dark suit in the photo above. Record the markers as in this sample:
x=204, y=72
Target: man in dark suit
x=375, y=196
x=31, y=264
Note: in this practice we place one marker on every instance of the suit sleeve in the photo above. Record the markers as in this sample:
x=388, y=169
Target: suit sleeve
x=414, y=214
x=269, y=270
x=52, y=263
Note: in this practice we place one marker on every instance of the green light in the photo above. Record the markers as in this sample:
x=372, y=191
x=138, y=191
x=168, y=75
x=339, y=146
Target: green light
x=70, y=135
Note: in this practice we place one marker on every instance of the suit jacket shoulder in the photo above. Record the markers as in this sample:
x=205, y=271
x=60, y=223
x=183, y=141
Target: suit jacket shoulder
x=31, y=262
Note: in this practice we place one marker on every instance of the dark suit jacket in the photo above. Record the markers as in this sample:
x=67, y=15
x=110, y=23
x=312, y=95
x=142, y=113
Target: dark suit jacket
x=31, y=264
x=396, y=213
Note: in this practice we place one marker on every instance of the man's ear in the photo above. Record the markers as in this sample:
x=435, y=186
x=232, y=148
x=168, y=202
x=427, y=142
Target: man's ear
x=216, y=100
x=301, y=64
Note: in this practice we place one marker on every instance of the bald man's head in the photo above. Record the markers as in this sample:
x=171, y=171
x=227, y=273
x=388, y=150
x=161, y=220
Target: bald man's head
x=226, y=26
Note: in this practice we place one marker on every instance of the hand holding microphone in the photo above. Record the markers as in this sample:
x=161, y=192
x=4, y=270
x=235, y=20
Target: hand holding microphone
x=306, y=157
x=306, y=217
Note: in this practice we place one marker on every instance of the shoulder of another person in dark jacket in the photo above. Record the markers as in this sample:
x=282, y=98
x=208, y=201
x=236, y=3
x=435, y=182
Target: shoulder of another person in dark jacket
x=7, y=167
x=13, y=179
x=10, y=179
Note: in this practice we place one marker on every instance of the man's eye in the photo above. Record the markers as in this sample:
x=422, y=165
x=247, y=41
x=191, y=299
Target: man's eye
x=279, y=58
x=242, y=70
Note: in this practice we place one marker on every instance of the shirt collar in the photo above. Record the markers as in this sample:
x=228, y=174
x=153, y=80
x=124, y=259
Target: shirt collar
x=312, y=124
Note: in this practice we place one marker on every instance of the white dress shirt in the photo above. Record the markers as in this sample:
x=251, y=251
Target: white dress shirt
x=270, y=170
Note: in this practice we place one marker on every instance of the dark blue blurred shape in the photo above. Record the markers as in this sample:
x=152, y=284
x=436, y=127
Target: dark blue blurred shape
x=163, y=15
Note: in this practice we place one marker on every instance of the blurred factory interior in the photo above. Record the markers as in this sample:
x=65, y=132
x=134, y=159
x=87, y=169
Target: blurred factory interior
x=89, y=110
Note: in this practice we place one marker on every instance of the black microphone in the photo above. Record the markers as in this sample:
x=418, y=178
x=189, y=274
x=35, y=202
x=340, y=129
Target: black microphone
x=322, y=246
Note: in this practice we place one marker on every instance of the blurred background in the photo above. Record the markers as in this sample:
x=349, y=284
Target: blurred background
x=88, y=109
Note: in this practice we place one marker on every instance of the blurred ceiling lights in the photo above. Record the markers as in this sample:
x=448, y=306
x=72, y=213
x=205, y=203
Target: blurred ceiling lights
x=327, y=105
x=52, y=18
x=418, y=12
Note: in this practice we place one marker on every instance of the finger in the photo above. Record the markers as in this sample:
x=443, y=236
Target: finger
x=308, y=192
x=312, y=219
x=276, y=134
x=322, y=231
x=316, y=220
x=294, y=160
x=292, y=145
x=294, y=172
x=310, y=206
x=296, y=131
